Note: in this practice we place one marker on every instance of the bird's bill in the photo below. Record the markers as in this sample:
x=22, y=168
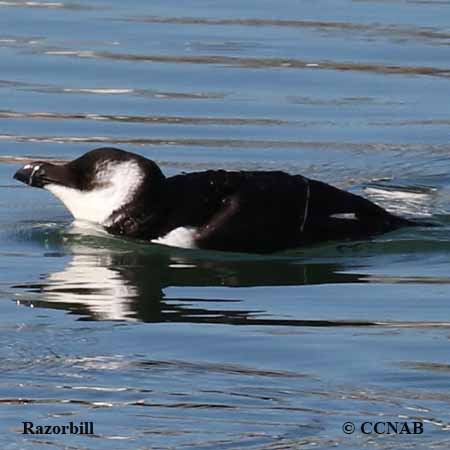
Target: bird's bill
x=39, y=174
x=24, y=174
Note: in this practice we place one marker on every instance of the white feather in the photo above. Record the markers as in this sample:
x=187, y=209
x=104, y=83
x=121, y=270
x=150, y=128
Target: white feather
x=179, y=237
x=350, y=216
x=118, y=184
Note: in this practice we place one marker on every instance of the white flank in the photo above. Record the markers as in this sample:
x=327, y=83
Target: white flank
x=351, y=216
x=118, y=184
x=179, y=237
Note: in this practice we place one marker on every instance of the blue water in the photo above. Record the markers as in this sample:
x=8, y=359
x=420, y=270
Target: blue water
x=165, y=348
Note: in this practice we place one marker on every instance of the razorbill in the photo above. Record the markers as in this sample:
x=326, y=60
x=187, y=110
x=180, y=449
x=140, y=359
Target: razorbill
x=245, y=211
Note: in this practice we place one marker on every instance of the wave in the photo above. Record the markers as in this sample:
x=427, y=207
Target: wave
x=258, y=63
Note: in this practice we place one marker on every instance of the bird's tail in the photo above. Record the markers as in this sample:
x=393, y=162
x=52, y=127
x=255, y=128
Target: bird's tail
x=398, y=222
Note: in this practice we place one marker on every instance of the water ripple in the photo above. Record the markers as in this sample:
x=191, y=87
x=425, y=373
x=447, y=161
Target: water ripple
x=150, y=119
x=46, y=5
x=230, y=143
x=372, y=29
x=148, y=93
x=258, y=63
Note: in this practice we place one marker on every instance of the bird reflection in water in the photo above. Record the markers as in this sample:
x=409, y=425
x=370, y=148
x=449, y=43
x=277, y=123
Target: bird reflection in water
x=110, y=283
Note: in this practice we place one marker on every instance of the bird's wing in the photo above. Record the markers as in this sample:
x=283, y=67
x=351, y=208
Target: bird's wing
x=257, y=218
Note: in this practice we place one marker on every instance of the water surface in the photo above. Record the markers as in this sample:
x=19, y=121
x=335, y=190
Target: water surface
x=167, y=348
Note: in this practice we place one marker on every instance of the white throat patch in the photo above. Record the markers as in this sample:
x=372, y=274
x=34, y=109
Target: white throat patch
x=118, y=183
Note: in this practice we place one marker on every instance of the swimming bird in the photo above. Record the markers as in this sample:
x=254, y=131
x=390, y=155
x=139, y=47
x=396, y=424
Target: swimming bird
x=240, y=211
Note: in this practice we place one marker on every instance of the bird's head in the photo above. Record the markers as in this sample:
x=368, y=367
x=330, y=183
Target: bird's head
x=97, y=184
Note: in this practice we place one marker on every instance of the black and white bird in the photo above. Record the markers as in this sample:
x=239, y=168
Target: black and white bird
x=248, y=211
